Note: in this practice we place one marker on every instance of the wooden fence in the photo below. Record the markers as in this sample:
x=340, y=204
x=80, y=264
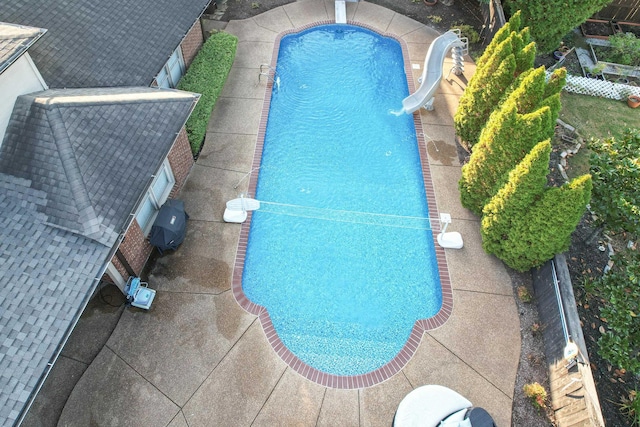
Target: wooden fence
x=621, y=10
x=494, y=19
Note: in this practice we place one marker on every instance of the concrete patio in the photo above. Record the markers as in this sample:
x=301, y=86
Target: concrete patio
x=198, y=359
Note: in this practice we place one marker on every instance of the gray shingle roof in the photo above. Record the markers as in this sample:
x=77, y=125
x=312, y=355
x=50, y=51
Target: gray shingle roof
x=72, y=167
x=14, y=41
x=47, y=276
x=108, y=43
x=92, y=151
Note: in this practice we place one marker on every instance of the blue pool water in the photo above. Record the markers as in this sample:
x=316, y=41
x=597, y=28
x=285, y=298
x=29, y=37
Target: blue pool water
x=340, y=253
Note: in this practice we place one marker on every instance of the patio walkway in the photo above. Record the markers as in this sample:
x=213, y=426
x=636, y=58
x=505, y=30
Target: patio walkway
x=198, y=359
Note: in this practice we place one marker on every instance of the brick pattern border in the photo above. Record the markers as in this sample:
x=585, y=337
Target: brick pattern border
x=420, y=327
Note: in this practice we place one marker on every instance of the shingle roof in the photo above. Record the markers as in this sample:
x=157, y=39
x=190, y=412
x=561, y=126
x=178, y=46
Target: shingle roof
x=72, y=167
x=92, y=151
x=47, y=276
x=14, y=41
x=104, y=43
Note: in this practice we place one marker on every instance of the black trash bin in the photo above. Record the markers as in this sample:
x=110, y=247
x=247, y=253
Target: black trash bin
x=170, y=226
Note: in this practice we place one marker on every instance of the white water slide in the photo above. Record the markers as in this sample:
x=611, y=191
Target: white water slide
x=432, y=72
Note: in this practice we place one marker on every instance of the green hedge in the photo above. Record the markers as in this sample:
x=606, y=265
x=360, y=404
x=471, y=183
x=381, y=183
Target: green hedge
x=206, y=75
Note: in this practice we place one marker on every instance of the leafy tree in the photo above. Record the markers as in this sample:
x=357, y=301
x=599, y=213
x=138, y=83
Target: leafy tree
x=550, y=20
x=506, y=57
x=615, y=166
x=524, y=119
x=526, y=223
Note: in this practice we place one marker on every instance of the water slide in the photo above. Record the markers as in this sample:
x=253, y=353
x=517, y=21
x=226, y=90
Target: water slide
x=432, y=72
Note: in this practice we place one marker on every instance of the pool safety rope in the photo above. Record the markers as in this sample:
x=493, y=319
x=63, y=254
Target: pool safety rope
x=346, y=216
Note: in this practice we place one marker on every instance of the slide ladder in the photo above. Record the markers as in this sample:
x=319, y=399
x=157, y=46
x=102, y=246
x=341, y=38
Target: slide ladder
x=341, y=10
x=432, y=72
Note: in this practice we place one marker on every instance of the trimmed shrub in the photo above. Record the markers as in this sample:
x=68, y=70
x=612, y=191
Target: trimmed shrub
x=505, y=141
x=546, y=228
x=533, y=89
x=482, y=95
x=526, y=223
x=615, y=166
x=556, y=82
x=207, y=75
x=526, y=183
x=525, y=118
x=525, y=54
x=550, y=20
x=491, y=81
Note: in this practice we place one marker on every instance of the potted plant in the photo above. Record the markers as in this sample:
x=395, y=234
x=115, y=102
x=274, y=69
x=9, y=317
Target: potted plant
x=561, y=52
x=633, y=101
x=596, y=71
x=623, y=75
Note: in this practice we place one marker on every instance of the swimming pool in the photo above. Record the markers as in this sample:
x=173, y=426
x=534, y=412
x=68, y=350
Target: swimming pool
x=341, y=254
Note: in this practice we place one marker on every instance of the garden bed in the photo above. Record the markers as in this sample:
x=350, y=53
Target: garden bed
x=597, y=28
x=629, y=27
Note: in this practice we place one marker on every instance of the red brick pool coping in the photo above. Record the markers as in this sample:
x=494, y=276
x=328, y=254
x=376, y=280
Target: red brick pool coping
x=402, y=358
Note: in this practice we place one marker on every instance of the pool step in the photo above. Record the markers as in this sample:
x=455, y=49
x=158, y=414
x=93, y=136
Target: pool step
x=349, y=355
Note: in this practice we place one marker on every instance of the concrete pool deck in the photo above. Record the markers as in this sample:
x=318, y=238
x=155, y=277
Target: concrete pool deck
x=198, y=359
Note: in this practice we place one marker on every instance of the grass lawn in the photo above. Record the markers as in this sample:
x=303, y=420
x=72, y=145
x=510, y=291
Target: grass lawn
x=598, y=117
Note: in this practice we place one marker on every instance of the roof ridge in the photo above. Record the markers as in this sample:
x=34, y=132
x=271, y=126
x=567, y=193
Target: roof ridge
x=112, y=96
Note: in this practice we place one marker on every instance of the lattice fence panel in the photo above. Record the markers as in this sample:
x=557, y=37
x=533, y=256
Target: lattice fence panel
x=601, y=88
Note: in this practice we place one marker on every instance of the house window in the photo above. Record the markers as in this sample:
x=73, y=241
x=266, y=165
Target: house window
x=171, y=72
x=155, y=197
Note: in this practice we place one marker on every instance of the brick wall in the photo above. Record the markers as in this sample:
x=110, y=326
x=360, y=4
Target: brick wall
x=192, y=43
x=181, y=161
x=135, y=246
x=136, y=250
